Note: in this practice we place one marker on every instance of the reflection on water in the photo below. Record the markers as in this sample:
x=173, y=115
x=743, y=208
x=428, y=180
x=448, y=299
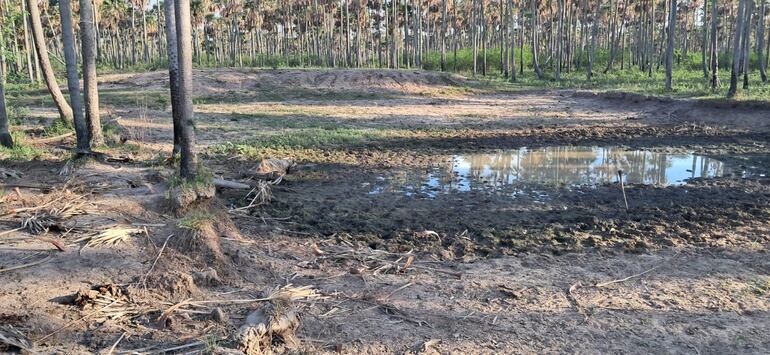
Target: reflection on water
x=553, y=166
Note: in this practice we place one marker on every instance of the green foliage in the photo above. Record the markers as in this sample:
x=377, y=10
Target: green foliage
x=17, y=114
x=20, y=151
x=57, y=128
x=196, y=220
x=203, y=177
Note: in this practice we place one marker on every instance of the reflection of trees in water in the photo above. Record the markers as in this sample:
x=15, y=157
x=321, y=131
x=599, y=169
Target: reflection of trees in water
x=571, y=165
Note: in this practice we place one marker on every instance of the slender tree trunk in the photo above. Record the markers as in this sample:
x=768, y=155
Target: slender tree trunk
x=594, y=34
x=559, y=36
x=187, y=164
x=65, y=111
x=705, y=40
x=671, y=43
x=761, y=41
x=5, y=135
x=88, y=42
x=714, y=46
x=737, y=50
x=535, y=63
x=443, y=35
x=73, y=83
x=745, y=43
x=28, y=49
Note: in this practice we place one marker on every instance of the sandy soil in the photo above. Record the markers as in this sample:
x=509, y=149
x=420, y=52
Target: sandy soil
x=684, y=270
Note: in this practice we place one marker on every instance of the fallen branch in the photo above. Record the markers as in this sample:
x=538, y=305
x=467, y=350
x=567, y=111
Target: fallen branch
x=17, y=267
x=230, y=184
x=144, y=281
x=53, y=139
x=604, y=284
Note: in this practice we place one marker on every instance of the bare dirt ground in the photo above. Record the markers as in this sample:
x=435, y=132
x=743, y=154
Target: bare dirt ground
x=684, y=270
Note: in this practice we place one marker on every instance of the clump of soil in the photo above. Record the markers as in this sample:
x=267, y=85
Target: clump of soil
x=185, y=196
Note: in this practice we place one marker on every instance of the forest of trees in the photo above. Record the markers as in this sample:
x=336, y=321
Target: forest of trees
x=483, y=37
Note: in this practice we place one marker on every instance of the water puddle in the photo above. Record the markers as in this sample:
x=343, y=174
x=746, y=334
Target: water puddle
x=519, y=171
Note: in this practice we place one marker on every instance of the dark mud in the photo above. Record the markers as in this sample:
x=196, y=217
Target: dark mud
x=730, y=211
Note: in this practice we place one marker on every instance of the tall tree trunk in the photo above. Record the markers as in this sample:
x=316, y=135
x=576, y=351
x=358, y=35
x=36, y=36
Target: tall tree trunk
x=187, y=164
x=73, y=82
x=27, y=47
x=761, y=41
x=475, y=28
x=88, y=42
x=594, y=34
x=745, y=43
x=559, y=36
x=65, y=111
x=5, y=135
x=535, y=63
x=513, y=41
x=671, y=42
x=443, y=35
x=705, y=40
x=714, y=46
x=737, y=49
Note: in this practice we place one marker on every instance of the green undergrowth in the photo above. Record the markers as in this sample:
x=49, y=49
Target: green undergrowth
x=21, y=150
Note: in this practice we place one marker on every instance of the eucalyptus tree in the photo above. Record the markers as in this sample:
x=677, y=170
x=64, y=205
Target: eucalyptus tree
x=762, y=62
x=671, y=42
x=737, y=50
x=714, y=45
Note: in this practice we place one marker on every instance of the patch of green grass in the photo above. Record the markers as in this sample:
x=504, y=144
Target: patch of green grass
x=154, y=100
x=296, y=93
x=196, y=220
x=57, y=128
x=203, y=177
x=20, y=151
x=758, y=287
x=290, y=120
x=328, y=137
x=18, y=114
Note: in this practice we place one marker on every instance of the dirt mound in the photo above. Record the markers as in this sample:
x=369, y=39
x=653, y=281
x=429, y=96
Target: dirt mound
x=214, y=81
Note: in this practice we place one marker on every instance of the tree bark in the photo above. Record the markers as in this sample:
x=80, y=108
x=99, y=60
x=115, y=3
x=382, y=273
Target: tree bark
x=187, y=164
x=671, y=42
x=173, y=73
x=714, y=46
x=88, y=42
x=737, y=50
x=73, y=82
x=535, y=63
x=65, y=111
x=745, y=43
x=761, y=41
x=5, y=135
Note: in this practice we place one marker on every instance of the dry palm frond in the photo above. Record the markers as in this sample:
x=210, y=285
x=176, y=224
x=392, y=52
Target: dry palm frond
x=110, y=302
x=12, y=337
x=116, y=309
x=291, y=293
x=60, y=207
x=112, y=236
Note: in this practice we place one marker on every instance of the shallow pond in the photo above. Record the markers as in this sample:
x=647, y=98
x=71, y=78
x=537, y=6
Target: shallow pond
x=560, y=165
